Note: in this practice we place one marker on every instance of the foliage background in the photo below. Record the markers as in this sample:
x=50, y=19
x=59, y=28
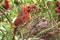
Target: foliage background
x=47, y=11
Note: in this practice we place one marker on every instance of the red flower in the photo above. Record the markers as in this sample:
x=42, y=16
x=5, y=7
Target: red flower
x=32, y=5
x=6, y=5
x=58, y=10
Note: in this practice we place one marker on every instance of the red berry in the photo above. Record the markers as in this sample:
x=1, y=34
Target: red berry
x=32, y=5
x=57, y=10
x=6, y=5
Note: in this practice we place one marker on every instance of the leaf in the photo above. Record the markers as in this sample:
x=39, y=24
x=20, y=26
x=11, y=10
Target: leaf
x=49, y=0
x=34, y=1
x=2, y=28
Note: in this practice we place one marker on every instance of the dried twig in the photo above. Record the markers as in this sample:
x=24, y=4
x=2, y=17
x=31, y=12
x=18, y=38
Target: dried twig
x=46, y=30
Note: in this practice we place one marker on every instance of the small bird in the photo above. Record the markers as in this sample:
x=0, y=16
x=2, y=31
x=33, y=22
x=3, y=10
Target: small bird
x=22, y=17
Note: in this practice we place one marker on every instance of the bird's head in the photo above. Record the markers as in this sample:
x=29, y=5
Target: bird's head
x=29, y=8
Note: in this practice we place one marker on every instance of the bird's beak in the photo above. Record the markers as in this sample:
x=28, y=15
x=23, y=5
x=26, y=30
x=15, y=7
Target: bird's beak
x=32, y=6
x=28, y=10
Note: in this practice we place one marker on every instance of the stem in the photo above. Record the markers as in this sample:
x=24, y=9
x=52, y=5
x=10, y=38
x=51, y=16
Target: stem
x=22, y=34
x=2, y=8
x=5, y=14
x=2, y=37
x=46, y=30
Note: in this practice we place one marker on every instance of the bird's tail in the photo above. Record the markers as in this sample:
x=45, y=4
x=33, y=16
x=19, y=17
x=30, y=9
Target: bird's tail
x=14, y=32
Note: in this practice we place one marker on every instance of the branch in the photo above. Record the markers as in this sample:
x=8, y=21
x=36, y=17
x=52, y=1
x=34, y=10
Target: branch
x=5, y=14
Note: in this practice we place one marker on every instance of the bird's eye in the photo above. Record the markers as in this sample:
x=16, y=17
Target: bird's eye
x=28, y=7
x=28, y=10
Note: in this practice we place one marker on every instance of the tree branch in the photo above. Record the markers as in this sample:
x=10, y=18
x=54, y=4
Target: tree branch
x=5, y=14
